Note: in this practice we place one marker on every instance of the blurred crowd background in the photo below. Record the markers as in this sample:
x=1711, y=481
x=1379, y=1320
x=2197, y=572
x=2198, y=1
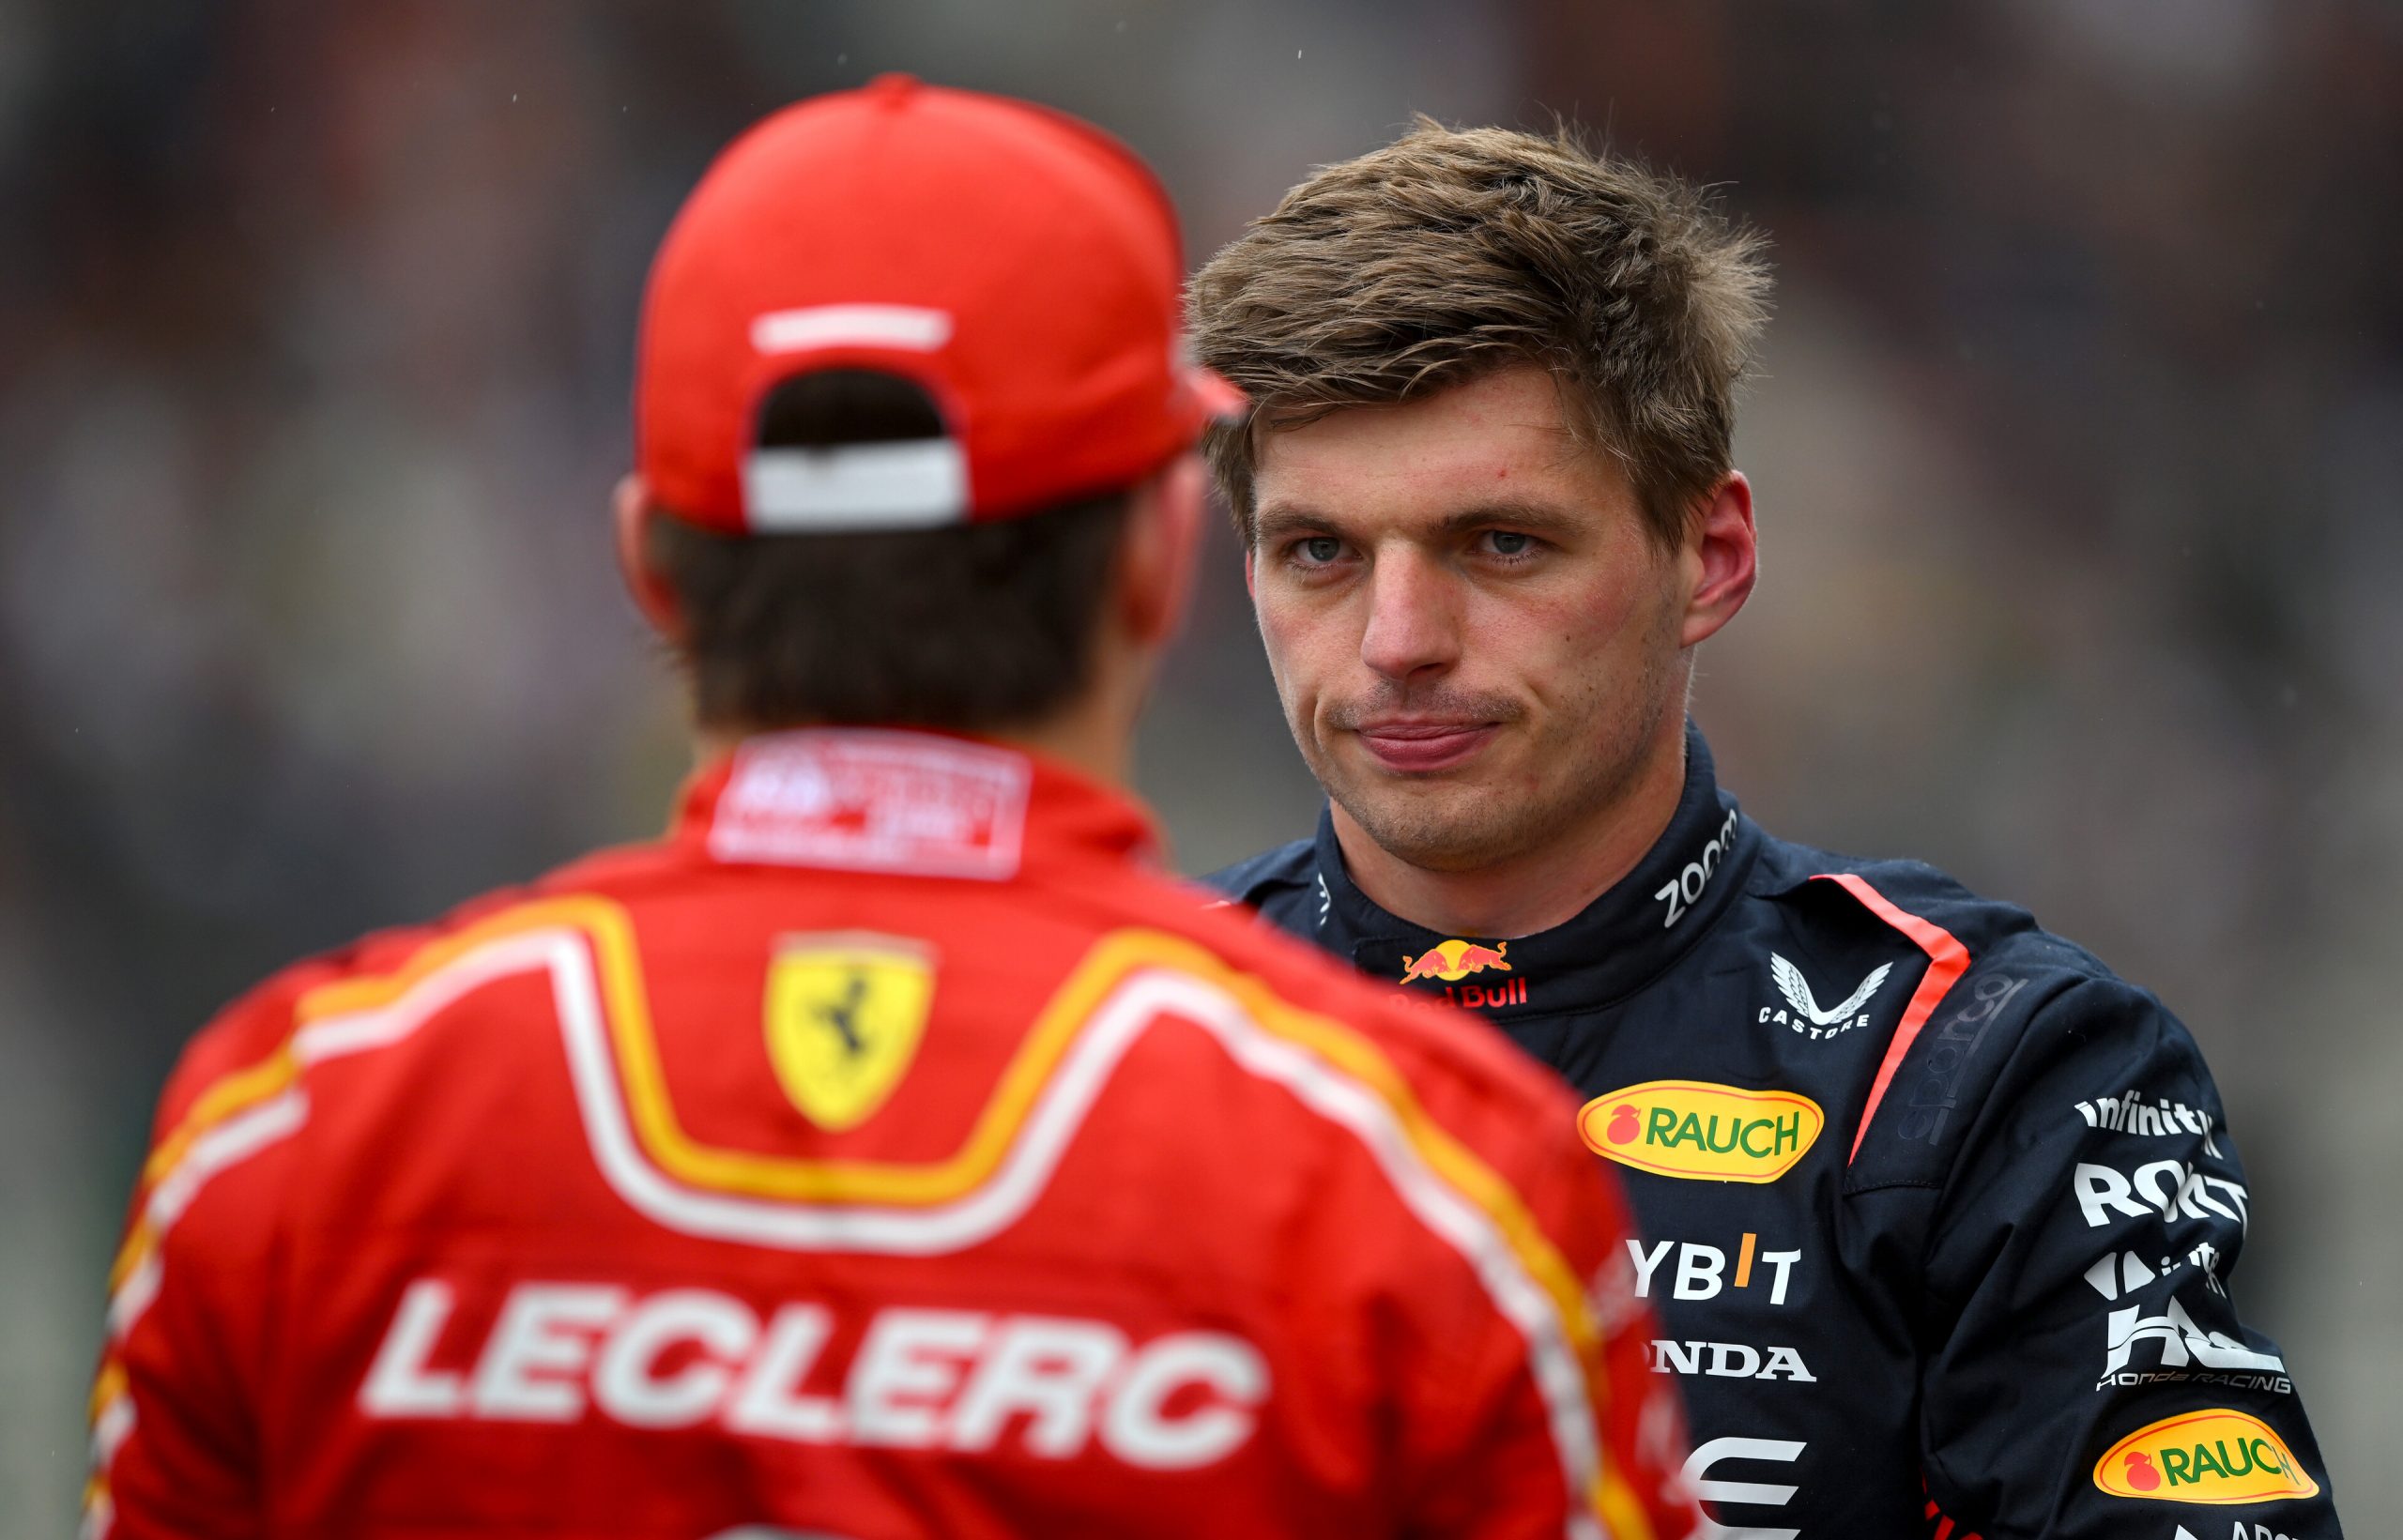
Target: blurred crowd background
x=2076, y=440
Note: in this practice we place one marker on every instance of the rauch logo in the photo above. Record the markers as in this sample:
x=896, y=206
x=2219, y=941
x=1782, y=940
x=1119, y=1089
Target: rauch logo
x=2204, y=1456
x=1698, y=1131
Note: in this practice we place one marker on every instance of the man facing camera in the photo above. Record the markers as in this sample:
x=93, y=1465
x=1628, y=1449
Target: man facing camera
x=1941, y=1216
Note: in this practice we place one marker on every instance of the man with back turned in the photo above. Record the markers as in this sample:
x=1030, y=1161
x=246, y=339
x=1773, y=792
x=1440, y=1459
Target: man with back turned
x=889, y=1149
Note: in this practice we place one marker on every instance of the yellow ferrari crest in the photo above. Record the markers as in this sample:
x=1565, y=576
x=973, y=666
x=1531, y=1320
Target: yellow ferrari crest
x=844, y=1014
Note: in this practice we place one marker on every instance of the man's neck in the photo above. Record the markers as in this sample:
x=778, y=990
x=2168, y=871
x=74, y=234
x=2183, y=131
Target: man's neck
x=1092, y=735
x=1546, y=886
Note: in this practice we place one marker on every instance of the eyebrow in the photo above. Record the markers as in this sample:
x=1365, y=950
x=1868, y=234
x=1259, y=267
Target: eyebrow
x=1278, y=520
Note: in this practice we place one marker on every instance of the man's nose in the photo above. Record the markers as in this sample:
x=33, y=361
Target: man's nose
x=1414, y=617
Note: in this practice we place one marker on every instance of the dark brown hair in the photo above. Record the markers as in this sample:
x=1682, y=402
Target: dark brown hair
x=1454, y=251
x=971, y=627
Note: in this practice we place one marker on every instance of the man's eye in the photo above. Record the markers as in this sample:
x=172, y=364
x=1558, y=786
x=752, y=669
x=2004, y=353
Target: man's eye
x=1321, y=549
x=1510, y=542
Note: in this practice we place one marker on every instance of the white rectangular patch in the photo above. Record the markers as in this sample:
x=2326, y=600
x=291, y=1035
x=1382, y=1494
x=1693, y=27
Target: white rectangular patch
x=913, y=327
x=912, y=484
x=874, y=802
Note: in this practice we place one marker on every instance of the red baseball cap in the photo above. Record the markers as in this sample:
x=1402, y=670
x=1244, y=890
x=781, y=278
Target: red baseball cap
x=1020, y=266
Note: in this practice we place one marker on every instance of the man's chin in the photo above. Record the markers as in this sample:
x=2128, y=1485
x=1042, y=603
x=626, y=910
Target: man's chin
x=1436, y=824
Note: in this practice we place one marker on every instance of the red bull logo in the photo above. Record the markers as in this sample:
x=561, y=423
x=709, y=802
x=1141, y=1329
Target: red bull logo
x=1452, y=961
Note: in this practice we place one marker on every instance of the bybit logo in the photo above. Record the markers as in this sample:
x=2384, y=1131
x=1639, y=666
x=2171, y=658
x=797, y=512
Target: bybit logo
x=1701, y=1271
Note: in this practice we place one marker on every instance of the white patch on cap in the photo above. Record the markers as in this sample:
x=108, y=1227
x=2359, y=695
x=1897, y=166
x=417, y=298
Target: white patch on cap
x=914, y=483
x=911, y=327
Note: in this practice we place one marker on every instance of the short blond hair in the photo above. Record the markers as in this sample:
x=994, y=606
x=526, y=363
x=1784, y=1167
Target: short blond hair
x=1454, y=251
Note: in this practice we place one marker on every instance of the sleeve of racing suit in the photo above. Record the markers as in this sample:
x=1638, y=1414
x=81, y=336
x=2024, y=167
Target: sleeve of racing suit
x=2090, y=1374
x=174, y=1439
x=1510, y=1401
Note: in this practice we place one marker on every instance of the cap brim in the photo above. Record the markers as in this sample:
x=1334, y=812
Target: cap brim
x=1214, y=398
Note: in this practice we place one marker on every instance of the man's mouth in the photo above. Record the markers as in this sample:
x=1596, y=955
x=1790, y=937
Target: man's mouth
x=1418, y=746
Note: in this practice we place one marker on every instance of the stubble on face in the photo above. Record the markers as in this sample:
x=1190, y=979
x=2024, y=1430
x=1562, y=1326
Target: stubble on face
x=1567, y=662
x=1581, y=759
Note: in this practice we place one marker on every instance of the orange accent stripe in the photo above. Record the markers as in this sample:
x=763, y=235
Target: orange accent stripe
x=1744, y=1261
x=108, y=1384
x=1946, y=960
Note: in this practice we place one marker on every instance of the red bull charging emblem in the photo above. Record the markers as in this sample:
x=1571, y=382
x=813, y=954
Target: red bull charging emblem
x=1450, y=962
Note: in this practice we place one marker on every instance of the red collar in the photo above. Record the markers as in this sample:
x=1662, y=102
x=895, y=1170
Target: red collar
x=912, y=803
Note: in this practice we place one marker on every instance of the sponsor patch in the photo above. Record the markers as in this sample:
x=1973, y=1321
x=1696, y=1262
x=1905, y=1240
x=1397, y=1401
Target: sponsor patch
x=1936, y=1088
x=1698, y=1131
x=1701, y=1271
x=1802, y=1012
x=2184, y=1350
x=1681, y=891
x=873, y=802
x=2216, y=1456
x=2160, y=1118
x=1452, y=961
x=844, y=1014
x=2170, y=1188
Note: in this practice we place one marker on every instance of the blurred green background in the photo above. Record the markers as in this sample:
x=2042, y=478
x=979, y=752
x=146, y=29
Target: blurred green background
x=2076, y=442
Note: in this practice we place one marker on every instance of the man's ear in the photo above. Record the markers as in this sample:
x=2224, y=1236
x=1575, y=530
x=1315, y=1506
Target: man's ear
x=1155, y=561
x=1720, y=559
x=634, y=512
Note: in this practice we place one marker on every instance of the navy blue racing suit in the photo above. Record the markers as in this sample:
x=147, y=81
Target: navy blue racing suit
x=1942, y=1217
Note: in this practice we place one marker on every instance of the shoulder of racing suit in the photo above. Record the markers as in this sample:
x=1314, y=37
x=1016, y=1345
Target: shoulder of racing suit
x=1999, y=999
x=1283, y=884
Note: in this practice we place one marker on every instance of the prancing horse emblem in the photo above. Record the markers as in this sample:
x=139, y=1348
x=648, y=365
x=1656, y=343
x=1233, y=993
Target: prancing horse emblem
x=844, y=1014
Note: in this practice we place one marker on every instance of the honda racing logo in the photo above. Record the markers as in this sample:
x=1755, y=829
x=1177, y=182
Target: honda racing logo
x=2182, y=1345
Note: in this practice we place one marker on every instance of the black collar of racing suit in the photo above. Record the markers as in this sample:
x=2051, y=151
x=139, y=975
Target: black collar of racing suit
x=1615, y=946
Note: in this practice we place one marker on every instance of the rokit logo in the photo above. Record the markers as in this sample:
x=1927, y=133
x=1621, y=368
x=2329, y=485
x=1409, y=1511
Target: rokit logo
x=2170, y=1188
x=1681, y=892
x=2160, y=1118
x=2216, y=1456
x=1701, y=1272
x=2182, y=1345
x=1696, y=1130
x=1801, y=1010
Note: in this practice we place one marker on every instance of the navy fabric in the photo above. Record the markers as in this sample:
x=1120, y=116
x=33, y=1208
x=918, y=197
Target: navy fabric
x=1973, y=1318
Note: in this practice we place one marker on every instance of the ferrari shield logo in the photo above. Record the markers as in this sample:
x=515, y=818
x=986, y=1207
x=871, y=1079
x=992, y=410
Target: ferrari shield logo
x=844, y=1016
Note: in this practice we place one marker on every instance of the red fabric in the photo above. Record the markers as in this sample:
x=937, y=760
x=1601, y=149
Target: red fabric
x=383, y=1280
x=1050, y=247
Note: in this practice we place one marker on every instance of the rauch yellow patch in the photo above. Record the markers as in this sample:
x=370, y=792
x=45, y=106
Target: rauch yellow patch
x=2204, y=1456
x=1698, y=1131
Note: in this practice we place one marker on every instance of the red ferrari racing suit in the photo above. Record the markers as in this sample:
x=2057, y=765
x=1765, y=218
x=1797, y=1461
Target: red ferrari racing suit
x=886, y=1151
